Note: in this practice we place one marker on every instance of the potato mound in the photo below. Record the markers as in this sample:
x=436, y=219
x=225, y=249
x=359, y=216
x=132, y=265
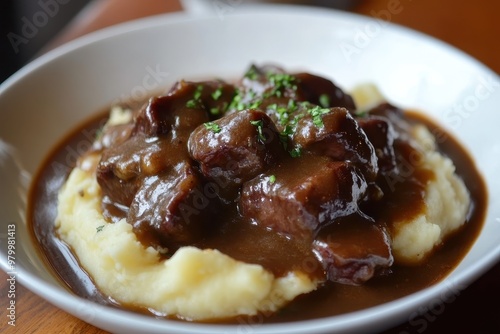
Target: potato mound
x=447, y=203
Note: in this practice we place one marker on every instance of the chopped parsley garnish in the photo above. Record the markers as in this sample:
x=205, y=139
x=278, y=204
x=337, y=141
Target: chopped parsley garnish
x=283, y=113
x=288, y=131
x=254, y=105
x=272, y=179
x=316, y=113
x=195, y=101
x=259, y=125
x=292, y=105
x=219, y=109
x=197, y=92
x=252, y=73
x=284, y=139
x=295, y=120
x=245, y=100
x=236, y=102
x=273, y=106
x=99, y=228
x=191, y=104
x=217, y=93
x=279, y=82
x=324, y=100
x=295, y=152
x=214, y=127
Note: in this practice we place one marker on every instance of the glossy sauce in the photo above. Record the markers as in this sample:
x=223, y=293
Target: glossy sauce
x=328, y=300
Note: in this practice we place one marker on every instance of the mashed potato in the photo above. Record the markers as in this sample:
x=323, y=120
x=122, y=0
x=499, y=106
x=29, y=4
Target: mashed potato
x=447, y=202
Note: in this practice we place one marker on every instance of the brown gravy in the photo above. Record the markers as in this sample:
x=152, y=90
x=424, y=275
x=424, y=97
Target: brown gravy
x=331, y=299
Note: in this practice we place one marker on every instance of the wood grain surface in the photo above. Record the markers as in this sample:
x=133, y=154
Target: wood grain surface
x=469, y=26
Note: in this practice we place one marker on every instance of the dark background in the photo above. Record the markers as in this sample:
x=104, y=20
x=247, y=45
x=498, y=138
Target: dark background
x=48, y=17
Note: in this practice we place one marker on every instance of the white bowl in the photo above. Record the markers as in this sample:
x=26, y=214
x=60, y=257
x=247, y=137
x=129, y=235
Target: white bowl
x=46, y=99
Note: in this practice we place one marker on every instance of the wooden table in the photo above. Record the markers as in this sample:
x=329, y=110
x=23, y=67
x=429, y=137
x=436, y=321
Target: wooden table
x=470, y=26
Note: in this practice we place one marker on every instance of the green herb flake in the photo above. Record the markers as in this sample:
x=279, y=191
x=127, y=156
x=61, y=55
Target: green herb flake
x=214, y=127
x=316, y=113
x=283, y=117
x=99, y=228
x=254, y=104
x=259, y=125
x=197, y=92
x=236, y=102
x=272, y=107
x=192, y=104
x=219, y=109
x=324, y=100
x=305, y=104
x=252, y=73
x=279, y=82
x=281, y=79
x=245, y=100
x=251, y=94
x=288, y=131
x=272, y=179
x=217, y=94
x=284, y=140
x=295, y=152
x=296, y=119
x=214, y=111
x=195, y=101
x=292, y=105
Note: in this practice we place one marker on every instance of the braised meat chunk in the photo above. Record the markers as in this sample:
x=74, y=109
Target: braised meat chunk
x=186, y=105
x=322, y=92
x=180, y=208
x=119, y=174
x=235, y=149
x=381, y=135
x=353, y=250
x=303, y=195
x=336, y=134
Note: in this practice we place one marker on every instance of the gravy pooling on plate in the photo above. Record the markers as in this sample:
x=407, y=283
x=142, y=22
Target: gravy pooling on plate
x=281, y=171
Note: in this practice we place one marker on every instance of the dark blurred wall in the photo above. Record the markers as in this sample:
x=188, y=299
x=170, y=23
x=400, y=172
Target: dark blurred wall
x=27, y=25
